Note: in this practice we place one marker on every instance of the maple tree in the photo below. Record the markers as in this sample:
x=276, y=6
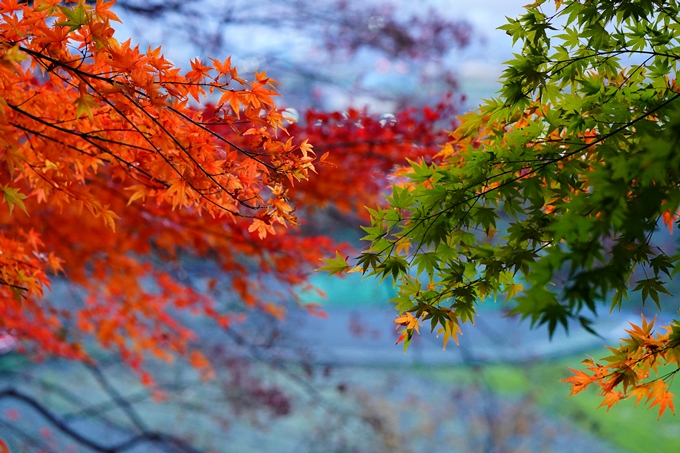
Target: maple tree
x=112, y=175
x=93, y=128
x=554, y=194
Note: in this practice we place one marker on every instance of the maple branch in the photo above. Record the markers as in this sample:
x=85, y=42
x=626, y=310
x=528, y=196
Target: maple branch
x=69, y=396
x=535, y=169
x=61, y=425
x=99, y=409
x=117, y=398
x=111, y=80
x=187, y=153
x=175, y=140
x=20, y=288
x=129, y=165
x=84, y=135
x=87, y=137
x=251, y=155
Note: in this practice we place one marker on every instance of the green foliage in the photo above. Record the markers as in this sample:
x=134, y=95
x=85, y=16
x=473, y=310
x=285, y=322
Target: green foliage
x=13, y=197
x=77, y=17
x=554, y=191
x=335, y=265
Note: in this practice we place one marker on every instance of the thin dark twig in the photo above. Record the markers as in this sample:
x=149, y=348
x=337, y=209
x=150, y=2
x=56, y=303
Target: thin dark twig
x=62, y=426
x=121, y=402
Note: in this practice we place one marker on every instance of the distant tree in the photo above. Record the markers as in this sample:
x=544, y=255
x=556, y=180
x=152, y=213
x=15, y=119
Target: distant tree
x=336, y=44
x=554, y=194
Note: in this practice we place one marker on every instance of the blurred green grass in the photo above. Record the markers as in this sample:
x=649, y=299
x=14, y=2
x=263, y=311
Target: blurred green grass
x=633, y=429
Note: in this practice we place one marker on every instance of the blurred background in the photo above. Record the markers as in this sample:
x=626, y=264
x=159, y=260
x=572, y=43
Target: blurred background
x=335, y=383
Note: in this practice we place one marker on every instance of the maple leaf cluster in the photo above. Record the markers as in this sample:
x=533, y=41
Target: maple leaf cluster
x=626, y=373
x=108, y=163
x=359, y=150
x=114, y=178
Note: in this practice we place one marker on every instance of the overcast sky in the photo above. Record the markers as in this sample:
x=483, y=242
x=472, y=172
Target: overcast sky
x=480, y=65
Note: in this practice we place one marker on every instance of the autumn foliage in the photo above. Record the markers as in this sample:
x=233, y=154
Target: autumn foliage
x=361, y=149
x=114, y=177
x=104, y=163
x=626, y=373
x=553, y=196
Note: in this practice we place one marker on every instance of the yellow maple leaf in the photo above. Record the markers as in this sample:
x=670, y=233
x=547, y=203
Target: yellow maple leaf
x=409, y=321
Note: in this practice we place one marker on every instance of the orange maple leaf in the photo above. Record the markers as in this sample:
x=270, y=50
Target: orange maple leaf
x=610, y=399
x=262, y=228
x=660, y=396
x=579, y=381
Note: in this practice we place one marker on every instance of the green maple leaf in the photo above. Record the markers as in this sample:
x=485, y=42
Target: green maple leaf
x=13, y=198
x=335, y=265
x=77, y=17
